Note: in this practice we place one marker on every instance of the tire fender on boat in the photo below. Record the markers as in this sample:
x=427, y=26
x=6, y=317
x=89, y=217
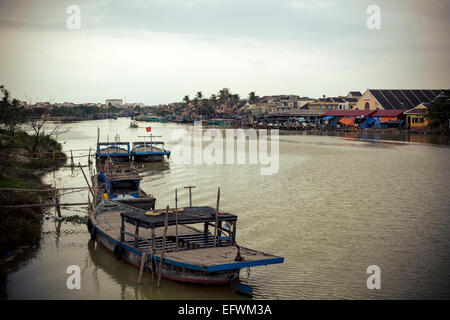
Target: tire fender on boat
x=93, y=234
x=89, y=226
x=118, y=252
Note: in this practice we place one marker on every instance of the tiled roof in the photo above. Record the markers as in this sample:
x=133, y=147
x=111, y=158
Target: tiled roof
x=388, y=113
x=404, y=99
x=349, y=113
x=417, y=111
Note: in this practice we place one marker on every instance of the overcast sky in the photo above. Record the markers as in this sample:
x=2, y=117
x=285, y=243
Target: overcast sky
x=158, y=51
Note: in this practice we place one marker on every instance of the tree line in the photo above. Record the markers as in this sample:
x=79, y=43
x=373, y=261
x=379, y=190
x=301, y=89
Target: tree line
x=206, y=106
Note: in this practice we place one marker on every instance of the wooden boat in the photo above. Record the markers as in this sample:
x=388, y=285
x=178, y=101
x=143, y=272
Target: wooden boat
x=149, y=151
x=188, y=254
x=117, y=151
x=122, y=186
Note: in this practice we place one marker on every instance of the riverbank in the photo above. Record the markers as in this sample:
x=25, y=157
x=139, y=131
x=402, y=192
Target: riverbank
x=19, y=168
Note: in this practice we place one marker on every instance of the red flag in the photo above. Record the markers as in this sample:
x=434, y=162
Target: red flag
x=148, y=129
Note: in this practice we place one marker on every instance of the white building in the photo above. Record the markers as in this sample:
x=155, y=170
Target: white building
x=114, y=102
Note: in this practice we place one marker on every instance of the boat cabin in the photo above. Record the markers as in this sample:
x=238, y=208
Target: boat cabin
x=183, y=219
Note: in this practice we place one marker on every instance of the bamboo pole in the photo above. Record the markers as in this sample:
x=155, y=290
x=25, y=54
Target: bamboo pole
x=217, y=217
x=190, y=194
x=176, y=219
x=143, y=259
x=163, y=249
x=57, y=205
x=90, y=189
x=71, y=159
x=42, y=190
x=43, y=205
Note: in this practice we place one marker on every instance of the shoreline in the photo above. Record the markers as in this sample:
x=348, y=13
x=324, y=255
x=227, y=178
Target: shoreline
x=20, y=228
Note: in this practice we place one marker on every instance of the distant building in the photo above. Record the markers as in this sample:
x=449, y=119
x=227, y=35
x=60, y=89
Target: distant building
x=114, y=102
x=387, y=99
x=416, y=117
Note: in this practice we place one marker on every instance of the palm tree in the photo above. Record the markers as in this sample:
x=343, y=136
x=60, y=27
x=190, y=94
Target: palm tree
x=252, y=97
x=224, y=95
x=235, y=98
x=199, y=95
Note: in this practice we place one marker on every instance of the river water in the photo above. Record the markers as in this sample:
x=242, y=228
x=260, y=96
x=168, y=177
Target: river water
x=336, y=206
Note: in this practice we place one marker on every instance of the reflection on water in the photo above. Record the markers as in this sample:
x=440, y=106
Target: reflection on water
x=336, y=206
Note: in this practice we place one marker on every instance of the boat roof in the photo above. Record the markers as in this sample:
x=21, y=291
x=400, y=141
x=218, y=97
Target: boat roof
x=186, y=215
x=112, y=143
x=148, y=142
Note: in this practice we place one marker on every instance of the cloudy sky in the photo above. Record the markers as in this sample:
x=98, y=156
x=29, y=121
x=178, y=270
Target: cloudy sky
x=158, y=51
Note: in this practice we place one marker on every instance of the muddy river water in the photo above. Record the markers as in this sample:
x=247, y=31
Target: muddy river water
x=335, y=206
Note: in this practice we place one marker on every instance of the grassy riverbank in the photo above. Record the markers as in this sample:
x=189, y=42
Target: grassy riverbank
x=19, y=168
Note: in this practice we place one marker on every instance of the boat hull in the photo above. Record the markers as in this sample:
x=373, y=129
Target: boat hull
x=149, y=158
x=170, y=272
x=140, y=203
x=115, y=158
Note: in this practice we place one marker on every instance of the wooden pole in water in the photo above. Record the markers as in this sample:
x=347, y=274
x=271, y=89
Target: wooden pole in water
x=92, y=192
x=190, y=194
x=71, y=159
x=143, y=259
x=217, y=217
x=176, y=219
x=57, y=205
x=163, y=249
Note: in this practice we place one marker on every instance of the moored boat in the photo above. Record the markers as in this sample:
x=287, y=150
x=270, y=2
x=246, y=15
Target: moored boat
x=122, y=186
x=117, y=151
x=170, y=236
x=149, y=151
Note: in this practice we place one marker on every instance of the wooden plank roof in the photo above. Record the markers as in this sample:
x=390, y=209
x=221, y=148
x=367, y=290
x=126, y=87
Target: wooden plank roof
x=189, y=215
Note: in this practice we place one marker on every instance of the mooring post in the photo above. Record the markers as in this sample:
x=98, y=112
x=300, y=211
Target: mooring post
x=143, y=260
x=190, y=194
x=92, y=192
x=163, y=249
x=176, y=219
x=217, y=217
x=71, y=159
x=57, y=206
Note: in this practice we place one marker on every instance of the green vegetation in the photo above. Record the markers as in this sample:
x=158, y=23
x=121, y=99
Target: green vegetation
x=11, y=114
x=81, y=111
x=20, y=169
x=24, y=159
x=207, y=106
x=439, y=111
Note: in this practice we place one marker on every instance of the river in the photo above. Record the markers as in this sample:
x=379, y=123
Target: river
x=336, y=206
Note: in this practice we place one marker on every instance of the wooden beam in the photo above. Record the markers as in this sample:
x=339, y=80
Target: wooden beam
x=163, y=246
x=217, y=217
x=36, y=205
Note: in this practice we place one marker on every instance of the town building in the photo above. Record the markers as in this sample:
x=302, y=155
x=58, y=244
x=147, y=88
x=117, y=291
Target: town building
x=114, y=102
x=416, y=117
x=386, y=99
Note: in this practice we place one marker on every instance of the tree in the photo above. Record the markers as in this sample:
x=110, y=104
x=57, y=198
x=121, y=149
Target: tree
x=42, y=130
x=224, y=95
x=439, y=110
x=235, y=98
x=186, y=100
x=11, y=114
x=252, y=97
